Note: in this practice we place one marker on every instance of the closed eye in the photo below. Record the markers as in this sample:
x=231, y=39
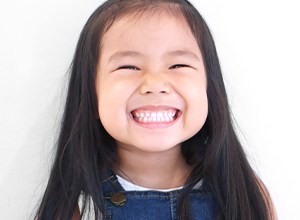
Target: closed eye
x=176, y=66
x=129, y=67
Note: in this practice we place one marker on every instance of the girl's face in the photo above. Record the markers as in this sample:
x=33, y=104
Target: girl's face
x=151, y=83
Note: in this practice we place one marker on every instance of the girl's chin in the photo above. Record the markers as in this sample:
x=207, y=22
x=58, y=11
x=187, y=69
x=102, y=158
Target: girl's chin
x=150, y=145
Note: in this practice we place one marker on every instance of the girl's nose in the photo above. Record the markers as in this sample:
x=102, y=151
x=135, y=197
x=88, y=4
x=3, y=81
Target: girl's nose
x=155, y=84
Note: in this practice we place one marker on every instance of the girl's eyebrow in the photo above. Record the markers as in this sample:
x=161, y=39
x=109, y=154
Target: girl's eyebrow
x=187, y=53
x=127, y=53
x=173, y=53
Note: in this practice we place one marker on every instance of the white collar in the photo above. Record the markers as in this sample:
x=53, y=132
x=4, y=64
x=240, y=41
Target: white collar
x=129, y=186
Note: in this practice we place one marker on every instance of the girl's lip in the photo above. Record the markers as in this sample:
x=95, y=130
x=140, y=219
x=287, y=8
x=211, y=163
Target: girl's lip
x=154, y=108
x=155, y=116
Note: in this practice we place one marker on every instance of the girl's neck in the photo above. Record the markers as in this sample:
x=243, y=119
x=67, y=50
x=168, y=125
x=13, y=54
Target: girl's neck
x=156, y=170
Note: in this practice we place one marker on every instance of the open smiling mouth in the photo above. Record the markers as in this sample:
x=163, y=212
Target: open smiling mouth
x=155, y=117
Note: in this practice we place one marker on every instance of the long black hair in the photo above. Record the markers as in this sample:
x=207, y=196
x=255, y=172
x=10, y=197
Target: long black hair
x=85, y=151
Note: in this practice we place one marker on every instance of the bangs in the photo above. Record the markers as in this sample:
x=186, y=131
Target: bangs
x=135, y=9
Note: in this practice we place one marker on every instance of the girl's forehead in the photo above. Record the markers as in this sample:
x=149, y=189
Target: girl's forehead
x=153, y=36
x=147, y=22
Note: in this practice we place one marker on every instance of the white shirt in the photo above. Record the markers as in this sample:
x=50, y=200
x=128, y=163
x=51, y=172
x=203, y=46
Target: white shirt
x=128, y=186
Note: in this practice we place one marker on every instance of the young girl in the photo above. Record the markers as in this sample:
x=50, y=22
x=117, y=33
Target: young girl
x=147, y=131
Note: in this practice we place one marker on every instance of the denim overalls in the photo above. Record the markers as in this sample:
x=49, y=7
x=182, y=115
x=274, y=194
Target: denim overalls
x=152, y=205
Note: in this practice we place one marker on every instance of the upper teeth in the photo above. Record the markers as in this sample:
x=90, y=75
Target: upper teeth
x=158, y=116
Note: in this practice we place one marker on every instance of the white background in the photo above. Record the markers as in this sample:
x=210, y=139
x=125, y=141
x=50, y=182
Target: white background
x=258, y=45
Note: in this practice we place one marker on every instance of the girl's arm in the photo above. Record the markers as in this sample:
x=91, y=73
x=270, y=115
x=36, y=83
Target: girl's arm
x=76, y=214
x=268, y=200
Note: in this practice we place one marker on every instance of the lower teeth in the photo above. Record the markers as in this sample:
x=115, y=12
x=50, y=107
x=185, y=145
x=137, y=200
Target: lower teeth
x=145, y=120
